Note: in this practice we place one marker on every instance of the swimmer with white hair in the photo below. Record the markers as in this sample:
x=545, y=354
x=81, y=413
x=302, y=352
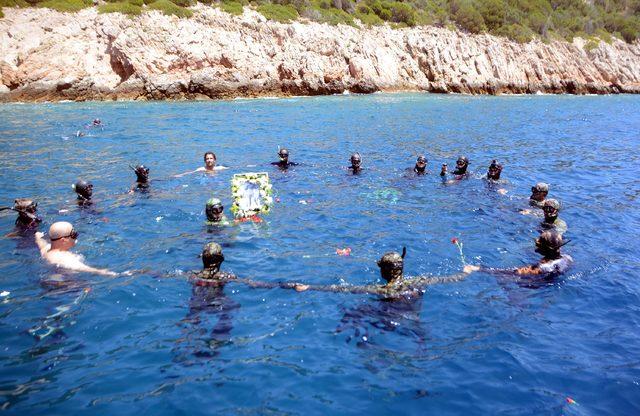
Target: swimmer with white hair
x=63, y=238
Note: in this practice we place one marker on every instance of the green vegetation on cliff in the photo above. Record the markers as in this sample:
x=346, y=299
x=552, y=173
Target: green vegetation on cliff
x=520, y=20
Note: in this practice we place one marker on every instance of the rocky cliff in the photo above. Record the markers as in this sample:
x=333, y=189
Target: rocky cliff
x=47, y=55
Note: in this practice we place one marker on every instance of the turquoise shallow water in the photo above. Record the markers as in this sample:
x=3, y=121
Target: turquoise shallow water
x=153, y=343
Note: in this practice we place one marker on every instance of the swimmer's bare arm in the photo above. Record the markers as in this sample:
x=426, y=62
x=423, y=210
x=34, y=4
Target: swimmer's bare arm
x=88, y=269
x=42, y=243
x=179, y=175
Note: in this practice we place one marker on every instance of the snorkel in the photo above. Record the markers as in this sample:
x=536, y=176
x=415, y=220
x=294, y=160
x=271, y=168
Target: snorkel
x=142, y=173
x=495, y=169
x=461, y=166
x=391, y=266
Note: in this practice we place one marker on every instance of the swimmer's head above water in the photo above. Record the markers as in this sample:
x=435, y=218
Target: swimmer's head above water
x=27, y=211
x=495, y=169
x=212, y=257
x=391, y=265
x=214, y=210
x=84, y=190
x=421, y=164
x=549, y=244
x=539, y=192
x=461, y=165
x=283, y=154
x=356, y=161
x=551, y=209
x=142, y=173
x=62, y=235
x=210, y=160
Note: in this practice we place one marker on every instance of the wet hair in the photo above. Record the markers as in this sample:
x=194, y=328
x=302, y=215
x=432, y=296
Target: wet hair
x=464, y=159
x=283, y=151
x=549, y=243
x=212, y=255
x=391, y=264
x=23, y=204
x=356, y=156
x=421, y=159
x=210, y=153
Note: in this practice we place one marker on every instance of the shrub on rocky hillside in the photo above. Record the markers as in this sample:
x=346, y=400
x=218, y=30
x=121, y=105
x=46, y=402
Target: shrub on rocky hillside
x=123, y=7
x=169, y=8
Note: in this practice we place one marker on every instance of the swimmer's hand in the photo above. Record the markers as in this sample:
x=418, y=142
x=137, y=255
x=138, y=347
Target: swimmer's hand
x=502, y=191
x=525, y=212
x=299, y=287
x=470, y=268
x=39, y=234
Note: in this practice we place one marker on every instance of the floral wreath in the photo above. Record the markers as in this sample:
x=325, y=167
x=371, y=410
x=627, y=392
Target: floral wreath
x=262, y=180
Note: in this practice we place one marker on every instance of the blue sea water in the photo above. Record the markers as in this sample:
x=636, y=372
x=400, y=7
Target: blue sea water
x=153, y=343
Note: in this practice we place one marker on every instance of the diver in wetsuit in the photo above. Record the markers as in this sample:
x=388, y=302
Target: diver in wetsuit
x=553, y=262
x=539, y=194
x=421, y=166
x=284, y=163
x=551, y=209
x=495, y=169
x=356, y=163
x=84, y=190
x=212, y=259
x=27, y=213
x=214, y=211
x=461, y=169
x=142, y=178
x=461, y=166
x=391, y=270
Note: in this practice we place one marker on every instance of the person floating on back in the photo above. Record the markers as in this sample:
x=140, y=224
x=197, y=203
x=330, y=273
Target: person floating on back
x=63, y=237
x=284, y=162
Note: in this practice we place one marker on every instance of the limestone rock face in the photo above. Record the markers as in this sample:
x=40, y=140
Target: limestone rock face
x=47, y=55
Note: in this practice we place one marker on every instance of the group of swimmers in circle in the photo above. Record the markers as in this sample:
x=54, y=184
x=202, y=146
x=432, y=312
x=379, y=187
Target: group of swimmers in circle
x=62, y=236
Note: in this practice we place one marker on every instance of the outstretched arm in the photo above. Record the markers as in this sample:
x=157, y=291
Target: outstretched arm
x=42, y=243
x=422, y=281
x=188, y=173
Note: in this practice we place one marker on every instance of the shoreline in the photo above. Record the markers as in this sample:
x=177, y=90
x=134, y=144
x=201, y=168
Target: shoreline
x=48, y=56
